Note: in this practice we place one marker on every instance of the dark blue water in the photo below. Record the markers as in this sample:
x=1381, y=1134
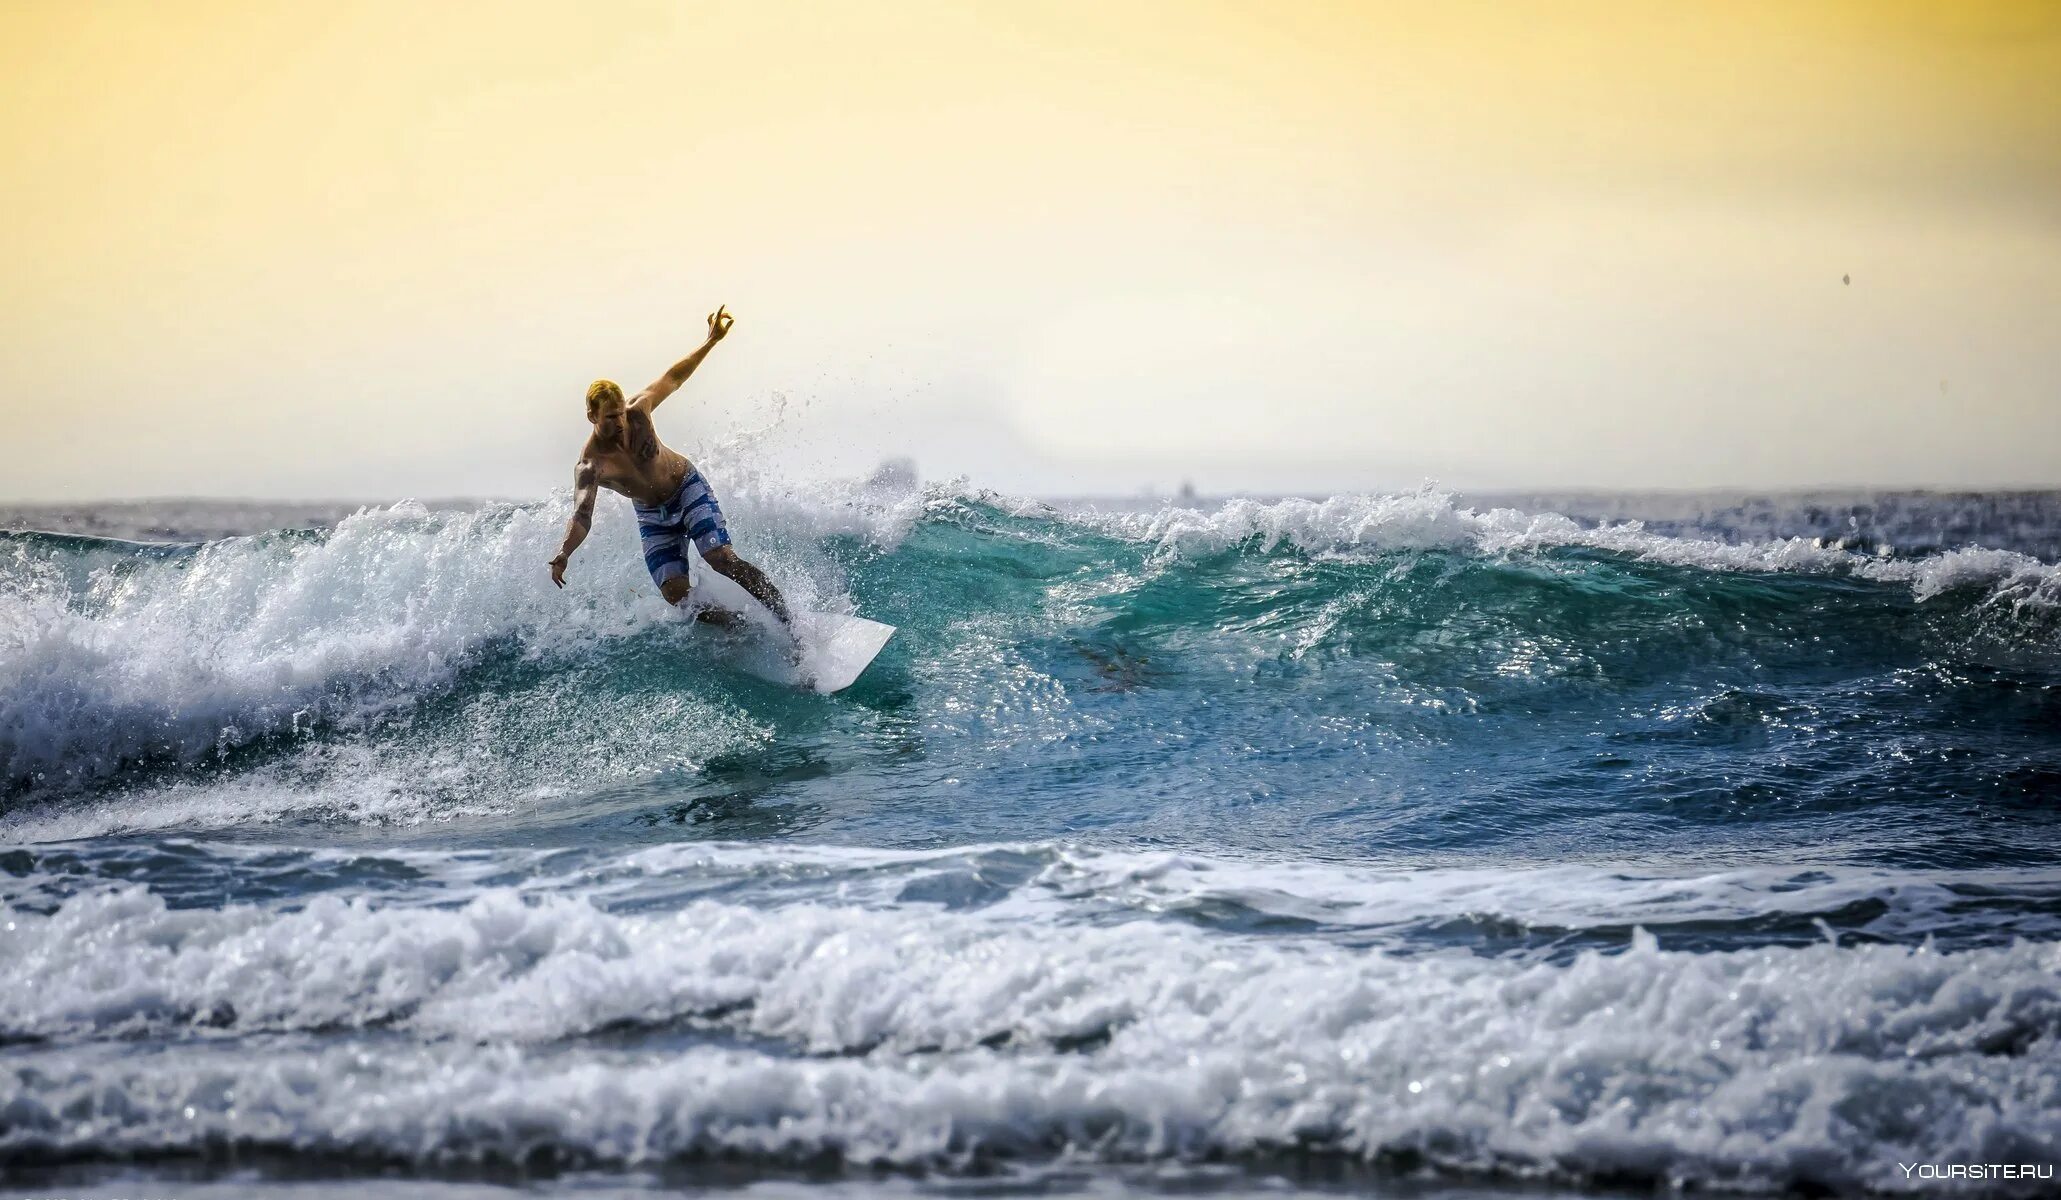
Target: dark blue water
x=1401, y=841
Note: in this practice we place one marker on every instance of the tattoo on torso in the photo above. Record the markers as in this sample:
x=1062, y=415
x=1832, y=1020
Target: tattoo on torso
x=643, y=437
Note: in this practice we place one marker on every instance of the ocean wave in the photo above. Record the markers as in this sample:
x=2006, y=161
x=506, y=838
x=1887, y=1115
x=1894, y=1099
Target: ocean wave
x=916, y=1037
x=1383, y=832
x=845, y=949
x=113, y=655
x=1433, y=519
x=1547, y=912
x=253, y=637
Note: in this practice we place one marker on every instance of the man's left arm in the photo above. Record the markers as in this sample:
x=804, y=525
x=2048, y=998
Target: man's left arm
x=665, y=385
x=586, y=485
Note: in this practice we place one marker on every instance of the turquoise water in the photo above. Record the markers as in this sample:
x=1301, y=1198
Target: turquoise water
x=1397, y=841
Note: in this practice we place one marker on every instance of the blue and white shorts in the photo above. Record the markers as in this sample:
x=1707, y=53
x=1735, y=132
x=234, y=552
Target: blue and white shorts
x=692, y=514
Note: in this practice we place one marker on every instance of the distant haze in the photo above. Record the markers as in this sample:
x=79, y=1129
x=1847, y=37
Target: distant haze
x=379, y=249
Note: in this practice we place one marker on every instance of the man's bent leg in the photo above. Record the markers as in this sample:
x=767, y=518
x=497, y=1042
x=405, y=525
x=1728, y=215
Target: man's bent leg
x=675, y=592
x=724, y=561
x=710, y=534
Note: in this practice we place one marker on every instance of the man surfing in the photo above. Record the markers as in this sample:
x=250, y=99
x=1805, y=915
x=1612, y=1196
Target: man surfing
x=674, y=503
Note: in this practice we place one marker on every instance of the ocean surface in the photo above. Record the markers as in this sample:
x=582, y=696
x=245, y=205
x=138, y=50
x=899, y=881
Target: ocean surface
x=1419, y=844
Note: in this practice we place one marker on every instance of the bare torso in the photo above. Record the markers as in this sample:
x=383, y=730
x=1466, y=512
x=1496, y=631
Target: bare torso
x=639, y=465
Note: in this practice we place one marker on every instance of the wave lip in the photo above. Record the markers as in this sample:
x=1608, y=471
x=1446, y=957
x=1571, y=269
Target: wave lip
x=1432, y=519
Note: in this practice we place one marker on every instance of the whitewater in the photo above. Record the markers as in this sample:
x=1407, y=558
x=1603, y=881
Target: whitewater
x=1411, y=841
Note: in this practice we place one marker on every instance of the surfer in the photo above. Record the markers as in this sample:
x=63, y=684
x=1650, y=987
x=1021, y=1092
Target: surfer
x=674, y=503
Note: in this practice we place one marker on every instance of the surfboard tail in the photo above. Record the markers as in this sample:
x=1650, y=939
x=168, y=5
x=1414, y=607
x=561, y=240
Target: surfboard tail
x=836, y=649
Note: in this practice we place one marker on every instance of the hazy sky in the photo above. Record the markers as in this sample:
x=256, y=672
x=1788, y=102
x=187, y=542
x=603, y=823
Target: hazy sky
x=379, y=249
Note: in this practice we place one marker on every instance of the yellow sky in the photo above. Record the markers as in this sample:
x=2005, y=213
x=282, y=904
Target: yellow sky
x=375, y=249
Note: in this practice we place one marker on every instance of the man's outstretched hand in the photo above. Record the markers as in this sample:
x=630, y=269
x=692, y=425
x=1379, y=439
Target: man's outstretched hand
x=719, y=323
x=558, y=570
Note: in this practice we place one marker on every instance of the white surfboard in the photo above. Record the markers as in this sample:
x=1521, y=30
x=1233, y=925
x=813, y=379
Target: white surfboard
x=835, y=648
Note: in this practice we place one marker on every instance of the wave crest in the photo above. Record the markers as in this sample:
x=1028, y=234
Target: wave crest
x=953, y=1037
x=113, y=654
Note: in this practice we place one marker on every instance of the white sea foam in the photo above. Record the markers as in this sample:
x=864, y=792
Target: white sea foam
x=975, y=1033
x=251, y=637
x=507, y=754
x=1429, y=519
x=1905, y=904
x=1357, y=904
x=1044, y=882
x=548, y=966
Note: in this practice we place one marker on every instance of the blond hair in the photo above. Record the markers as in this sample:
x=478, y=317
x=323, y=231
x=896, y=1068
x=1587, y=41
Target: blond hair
x=598, y=391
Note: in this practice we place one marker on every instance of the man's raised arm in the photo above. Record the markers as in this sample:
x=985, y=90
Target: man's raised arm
x=586, y=483
x=668, y=383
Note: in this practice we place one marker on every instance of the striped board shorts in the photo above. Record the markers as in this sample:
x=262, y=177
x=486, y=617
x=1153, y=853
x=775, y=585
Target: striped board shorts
x=692, y=514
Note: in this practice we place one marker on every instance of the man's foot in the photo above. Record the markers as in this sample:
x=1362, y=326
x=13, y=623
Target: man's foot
x=721, y=618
